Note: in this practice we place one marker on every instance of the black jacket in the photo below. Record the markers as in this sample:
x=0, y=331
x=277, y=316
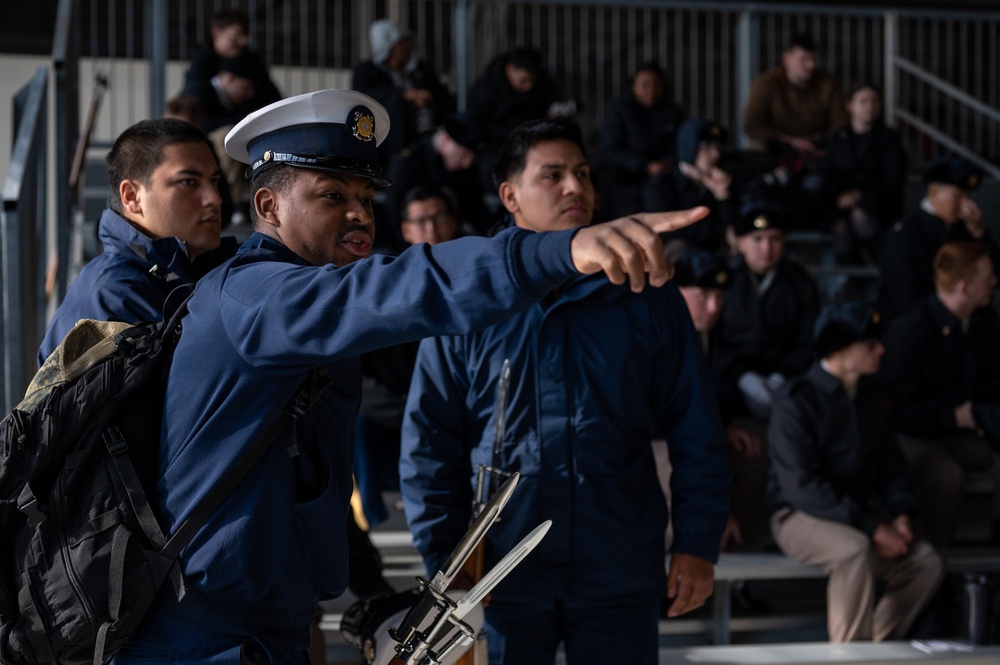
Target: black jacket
x=931, y=365
x=908, y=255
x=377, y=82
x=833, y=453
x=632, y=136
x=205, y=64
x=874, y=163
x=500, y=108
x=672, y=190
x=420, y=164
x=770, y=332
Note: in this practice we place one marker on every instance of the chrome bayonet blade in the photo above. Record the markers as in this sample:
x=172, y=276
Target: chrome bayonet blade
x=499, y=571
x=475, y=534
x=502, y=387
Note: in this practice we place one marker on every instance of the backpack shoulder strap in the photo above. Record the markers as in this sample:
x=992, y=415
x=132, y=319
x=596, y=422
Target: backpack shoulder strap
x=306, y=395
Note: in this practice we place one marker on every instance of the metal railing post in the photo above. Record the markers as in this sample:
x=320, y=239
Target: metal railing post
x=460, y=40
x=22, y=229
x=65, y=65
x=890, y=27
x=747, y=31
x=156, y=40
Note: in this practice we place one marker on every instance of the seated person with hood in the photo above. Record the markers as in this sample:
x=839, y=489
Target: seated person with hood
x=406, y=86
x=697, y=179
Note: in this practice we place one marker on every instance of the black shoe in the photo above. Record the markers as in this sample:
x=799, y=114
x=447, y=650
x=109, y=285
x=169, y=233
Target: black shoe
x=746, y=601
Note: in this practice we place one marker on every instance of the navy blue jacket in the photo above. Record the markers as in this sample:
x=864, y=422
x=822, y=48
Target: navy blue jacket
x=596, y=372
x=256, y=326
x=130, y=281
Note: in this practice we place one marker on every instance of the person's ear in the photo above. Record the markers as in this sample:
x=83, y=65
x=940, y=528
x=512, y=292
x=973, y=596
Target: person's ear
x=129, y=191
x=508, y=196
x=266, y=204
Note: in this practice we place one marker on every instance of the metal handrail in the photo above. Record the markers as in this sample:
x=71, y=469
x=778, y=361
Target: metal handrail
x=948, y=142
x=945, y=87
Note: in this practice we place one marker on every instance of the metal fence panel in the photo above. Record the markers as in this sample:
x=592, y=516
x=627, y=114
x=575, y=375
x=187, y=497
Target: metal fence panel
x=22, y=229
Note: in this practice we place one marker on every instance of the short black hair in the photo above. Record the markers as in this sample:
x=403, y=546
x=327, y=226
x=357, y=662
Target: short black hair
x=224, y=18
x=139, y=150
x=863, y=85
x=525, y=58
x=276, y=178
x=427, y=192
x=512, y=156
x=802, y=41
x=651, y=67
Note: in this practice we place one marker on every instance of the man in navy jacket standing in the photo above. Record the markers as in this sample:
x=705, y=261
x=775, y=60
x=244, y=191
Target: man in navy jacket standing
x=597, y=371
x=301, y=294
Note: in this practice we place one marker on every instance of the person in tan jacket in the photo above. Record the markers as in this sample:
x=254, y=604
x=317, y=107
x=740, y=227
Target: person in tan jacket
x=793, y=107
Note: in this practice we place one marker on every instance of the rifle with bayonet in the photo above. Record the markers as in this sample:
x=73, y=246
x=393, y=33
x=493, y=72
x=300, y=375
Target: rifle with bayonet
x=434, y=627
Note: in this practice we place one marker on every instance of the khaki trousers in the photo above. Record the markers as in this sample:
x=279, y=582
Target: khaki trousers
x=848, y=555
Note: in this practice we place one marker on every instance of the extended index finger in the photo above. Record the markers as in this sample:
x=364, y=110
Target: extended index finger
x=664, y=222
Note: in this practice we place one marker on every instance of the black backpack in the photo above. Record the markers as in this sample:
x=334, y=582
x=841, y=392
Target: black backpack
x=82, y=555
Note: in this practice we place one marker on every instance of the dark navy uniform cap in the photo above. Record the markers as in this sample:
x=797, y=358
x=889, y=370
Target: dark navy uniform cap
x=328, y=130
x=698, y=267
x=953, y=171
x=839, y=326
x=693, y=133
x=760, y=215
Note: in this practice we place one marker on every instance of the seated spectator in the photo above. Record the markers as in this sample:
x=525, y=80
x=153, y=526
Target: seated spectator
x=839, y=487
x=792, y=110
x=794, y=107
x=765, y=331
x=697, y=180
x=406, y=86
x=429, y=216
x=943, y=372
x=946, y=213
x=703, y=279
x=514, y=88
x=637, y=141
x=186, y=108
x=447, y=158
x=230, y=38
x=864, y=169
x=225, y=96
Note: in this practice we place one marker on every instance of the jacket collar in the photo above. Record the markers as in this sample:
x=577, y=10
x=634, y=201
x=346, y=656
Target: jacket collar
x=266, y=244
x=825, y=381
x=167, y=258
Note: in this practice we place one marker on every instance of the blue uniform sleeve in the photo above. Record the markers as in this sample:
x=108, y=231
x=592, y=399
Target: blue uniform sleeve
x=434, y=467
x=286, y=318
x=700, y=484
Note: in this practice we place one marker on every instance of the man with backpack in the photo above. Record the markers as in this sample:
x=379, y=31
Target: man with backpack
x=161, y=230
x=303, y=297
